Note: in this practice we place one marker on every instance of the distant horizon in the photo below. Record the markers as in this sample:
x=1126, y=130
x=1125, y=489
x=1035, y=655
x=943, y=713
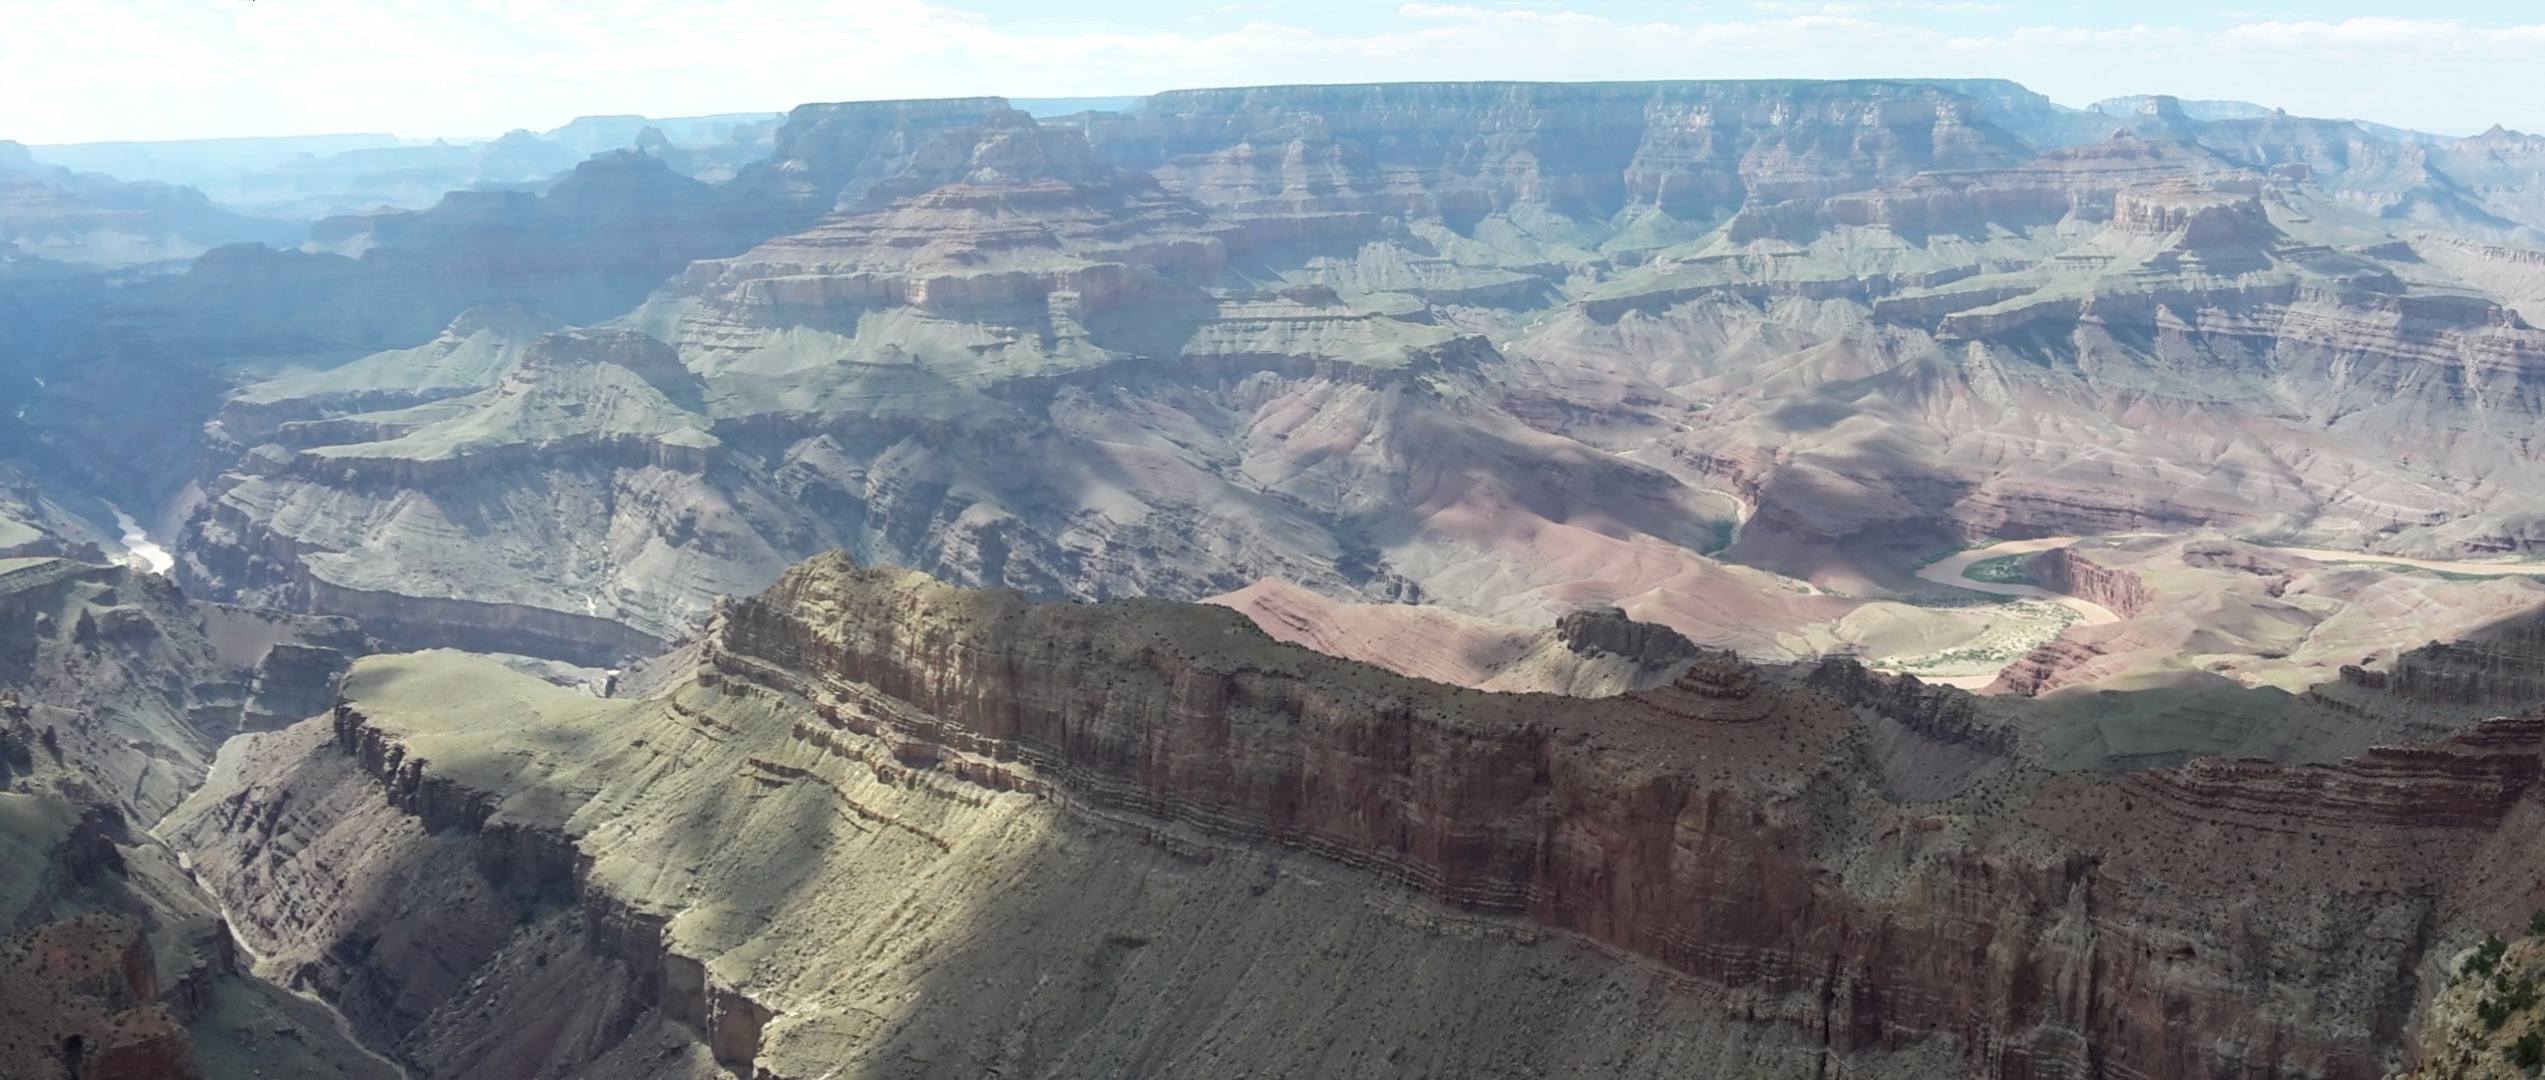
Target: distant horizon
x=219, y=69
x=1028, y=100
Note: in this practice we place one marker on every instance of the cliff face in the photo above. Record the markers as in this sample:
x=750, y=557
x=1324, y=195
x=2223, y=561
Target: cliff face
x=1012, y=363
x=1461, y=150
x=112, y=961
x=827, y=156
x=1730, y=830
x=1510, y=349
x=2484, y=1025
x=2064, y=571
x=2486, y=670
x=1437, y=800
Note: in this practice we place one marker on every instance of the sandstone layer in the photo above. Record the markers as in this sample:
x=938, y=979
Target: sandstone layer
x=2265, y=616
x=1731, y=357
x=1137, y=800
x=118, y=690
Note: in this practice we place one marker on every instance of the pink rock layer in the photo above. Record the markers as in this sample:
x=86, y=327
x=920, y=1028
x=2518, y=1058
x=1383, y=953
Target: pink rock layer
x=2229, y=917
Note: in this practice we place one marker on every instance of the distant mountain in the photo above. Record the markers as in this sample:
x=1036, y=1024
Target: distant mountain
x=200, y=162
x=86, y=218
x=1114, y=352
x=305, y=178
x=2205, y=439
x=1419, y=341
x=2134, y=104
x=1046, y=107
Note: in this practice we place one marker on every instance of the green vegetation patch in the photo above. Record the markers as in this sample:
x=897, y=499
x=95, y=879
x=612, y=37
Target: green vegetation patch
x=2002, y=570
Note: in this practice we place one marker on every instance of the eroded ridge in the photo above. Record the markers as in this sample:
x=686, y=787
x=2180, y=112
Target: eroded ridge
x=945, y=780
x=1690, y=824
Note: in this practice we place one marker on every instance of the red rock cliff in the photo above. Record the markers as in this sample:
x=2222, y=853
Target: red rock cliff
x=2226, y=918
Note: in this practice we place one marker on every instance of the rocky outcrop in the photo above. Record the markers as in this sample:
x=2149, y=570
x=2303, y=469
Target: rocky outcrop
x=830, y=156
x=81, y=1003
x=2064, y=571
x=1463, y=150
x=113, y=964
x=990, y=680
x=2496, y=668
x=292, y=682
x=539, y=866
x=2485, y=1025
x=1937, y=712
x=1609, y=631
x=2469, y=784
x=1729, y=829
x=984, y=221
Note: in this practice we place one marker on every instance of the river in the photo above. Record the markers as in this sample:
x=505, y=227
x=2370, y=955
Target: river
x=1951, y=570
x=153, y=557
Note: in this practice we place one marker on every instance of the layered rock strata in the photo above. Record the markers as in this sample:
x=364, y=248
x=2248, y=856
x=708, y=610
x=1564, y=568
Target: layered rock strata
x=1729, y=830
x=117, y=690
x=2064, y=571
x=2453, y=639
x=1512, y=349
x=1594, y=652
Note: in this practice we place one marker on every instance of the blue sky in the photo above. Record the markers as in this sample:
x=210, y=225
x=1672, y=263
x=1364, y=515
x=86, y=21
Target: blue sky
x=155, y=69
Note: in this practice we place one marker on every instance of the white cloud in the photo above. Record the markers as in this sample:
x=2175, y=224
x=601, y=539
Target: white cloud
x=178, y=68
x=2387, y=33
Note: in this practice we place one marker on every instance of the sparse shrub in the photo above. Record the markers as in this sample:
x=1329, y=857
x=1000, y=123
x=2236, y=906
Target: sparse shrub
x=2529, y=1051
x=2486, y=957
x=2492, y=1011
x=2507, y=999
x=2536, y=923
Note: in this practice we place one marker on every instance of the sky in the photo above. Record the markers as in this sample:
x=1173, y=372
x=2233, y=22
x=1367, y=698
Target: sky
x=96, y=70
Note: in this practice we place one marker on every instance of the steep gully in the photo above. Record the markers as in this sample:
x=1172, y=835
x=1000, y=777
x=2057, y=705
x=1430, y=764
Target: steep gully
x=256, y=961
x=2107, y=615
x=1213, y=191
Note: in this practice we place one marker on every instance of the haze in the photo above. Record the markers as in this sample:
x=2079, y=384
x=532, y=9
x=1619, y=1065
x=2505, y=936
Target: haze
x=175, y=69
x=834, y=541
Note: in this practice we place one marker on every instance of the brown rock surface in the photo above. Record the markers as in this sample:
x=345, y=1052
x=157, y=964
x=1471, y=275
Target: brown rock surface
x=2062, y=570
x=1590, y=653
x=2270, y=617
x=1728, y=358
x=1510, y=349
x=862, y=746
x=78, y=1000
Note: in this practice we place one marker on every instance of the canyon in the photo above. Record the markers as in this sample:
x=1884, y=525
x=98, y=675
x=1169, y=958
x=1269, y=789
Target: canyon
x=1739, y=383
x=1865, y=577
x=1137, y=799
